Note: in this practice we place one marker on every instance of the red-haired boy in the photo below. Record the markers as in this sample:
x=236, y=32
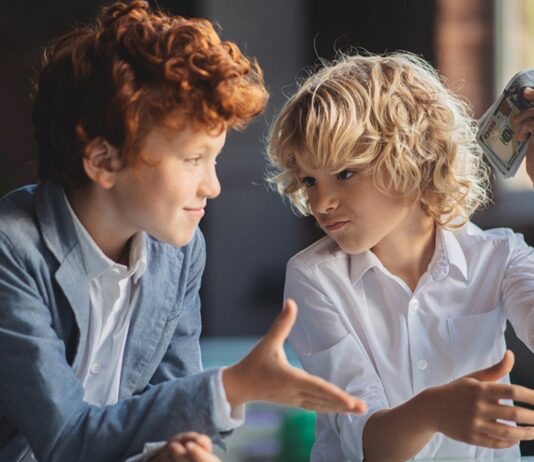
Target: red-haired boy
x=100, y=264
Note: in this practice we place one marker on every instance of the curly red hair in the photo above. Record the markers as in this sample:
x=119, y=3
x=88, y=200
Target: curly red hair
x=132, y=69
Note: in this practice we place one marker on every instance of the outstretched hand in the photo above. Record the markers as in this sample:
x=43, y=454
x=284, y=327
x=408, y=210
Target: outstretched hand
x=525, y=119
x=469, y=409
x=266, y=375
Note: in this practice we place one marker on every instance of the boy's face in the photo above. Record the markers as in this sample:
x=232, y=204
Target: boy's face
x=167, y=198
x=352, y=210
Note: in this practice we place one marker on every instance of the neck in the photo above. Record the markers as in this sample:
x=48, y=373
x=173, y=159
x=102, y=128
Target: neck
x=408, y=251
x=96, y=213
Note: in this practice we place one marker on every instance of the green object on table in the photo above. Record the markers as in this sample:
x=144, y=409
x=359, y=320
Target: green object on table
x=297, y=434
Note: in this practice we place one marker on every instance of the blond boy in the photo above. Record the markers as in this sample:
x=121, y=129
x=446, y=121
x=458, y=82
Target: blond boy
x=405, y=301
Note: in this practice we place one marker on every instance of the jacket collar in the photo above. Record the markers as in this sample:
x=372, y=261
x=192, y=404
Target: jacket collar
x=60, y=237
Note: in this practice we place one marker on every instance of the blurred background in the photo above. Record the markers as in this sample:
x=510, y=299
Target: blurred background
x=476, y=44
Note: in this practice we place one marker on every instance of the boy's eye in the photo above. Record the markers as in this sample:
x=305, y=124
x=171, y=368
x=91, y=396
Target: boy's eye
x=345, y=174
x=308, y=181
x=193, y=160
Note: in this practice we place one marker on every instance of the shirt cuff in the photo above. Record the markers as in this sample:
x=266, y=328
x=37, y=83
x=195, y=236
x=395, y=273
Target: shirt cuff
x=148, y=451
x=225, y=418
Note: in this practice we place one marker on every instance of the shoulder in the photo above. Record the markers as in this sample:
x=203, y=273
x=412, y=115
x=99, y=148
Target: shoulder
x=18, y=222
x=321, y=253
x=473, y=239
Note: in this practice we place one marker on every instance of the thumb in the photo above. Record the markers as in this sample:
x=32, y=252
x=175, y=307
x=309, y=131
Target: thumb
x=528, y=93
x=283, y=323
x=495, y=372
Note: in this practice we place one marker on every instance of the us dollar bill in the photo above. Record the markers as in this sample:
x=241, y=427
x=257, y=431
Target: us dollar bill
x=497, y=134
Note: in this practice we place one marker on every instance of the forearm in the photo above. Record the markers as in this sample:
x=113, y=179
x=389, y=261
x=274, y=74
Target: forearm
x=398, y=434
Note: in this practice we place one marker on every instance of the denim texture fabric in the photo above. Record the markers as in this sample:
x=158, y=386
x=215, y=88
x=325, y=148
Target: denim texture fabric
x=44, y=303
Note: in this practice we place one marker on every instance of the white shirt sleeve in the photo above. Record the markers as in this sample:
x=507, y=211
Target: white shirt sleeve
x=148, y=451
x=327, y=347
x=518, y=288
x=225, y=417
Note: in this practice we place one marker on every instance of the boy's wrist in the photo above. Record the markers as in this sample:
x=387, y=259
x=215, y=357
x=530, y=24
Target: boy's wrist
x=233, y=384
x=426, y=409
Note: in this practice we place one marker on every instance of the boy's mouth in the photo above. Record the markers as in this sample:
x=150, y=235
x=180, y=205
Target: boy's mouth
x=334, y=226
x=198, y=212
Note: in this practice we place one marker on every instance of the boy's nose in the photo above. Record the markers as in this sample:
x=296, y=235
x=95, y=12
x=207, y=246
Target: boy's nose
x=210, y=187
x=322, y=202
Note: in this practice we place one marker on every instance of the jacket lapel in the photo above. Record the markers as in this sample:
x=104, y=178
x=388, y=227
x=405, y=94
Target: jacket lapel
x=60, y=237
x=156, y=300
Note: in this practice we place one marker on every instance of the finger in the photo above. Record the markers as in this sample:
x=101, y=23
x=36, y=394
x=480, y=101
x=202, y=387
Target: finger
x=516, y=414
x=506, y=432
x=495, y=372
x=184, y=437
x=528, y=94
x=283, y=323
x=487, y=441
x=199, y=454
x=312, y=404
x=332, y=397
x=177, y=450
x=514, y=392
x=523, y=115
x=525, y=130
x=199, y=438
x=205, y=442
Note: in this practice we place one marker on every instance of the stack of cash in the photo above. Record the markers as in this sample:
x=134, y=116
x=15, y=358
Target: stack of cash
x=497, y=135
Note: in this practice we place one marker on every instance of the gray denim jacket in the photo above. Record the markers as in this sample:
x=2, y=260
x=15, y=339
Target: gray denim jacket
x=44, y=303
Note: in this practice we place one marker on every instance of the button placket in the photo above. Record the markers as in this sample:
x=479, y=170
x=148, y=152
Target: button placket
x=422, y=365
x=96, y=368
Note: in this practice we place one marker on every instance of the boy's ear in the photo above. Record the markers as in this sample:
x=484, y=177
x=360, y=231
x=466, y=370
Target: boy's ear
x=101, y=162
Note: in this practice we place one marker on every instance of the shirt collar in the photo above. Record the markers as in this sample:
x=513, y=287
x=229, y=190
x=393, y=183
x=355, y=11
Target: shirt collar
x=360, y=263
x=96, y=262
x=447, y=252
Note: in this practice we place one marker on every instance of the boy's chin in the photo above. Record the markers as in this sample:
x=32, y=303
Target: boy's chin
x=176, y=239
x=352, y=248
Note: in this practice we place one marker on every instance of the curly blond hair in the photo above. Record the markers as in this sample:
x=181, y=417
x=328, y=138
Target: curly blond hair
x=389, y=116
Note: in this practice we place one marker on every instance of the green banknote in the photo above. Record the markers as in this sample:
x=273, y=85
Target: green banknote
x=497, y=135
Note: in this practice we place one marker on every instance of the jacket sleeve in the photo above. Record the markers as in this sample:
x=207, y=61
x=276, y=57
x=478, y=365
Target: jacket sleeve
x=326, y=347
x=43, y=398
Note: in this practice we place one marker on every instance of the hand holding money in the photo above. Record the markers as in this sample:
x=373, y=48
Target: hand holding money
x=525, y=121
x=499, y=132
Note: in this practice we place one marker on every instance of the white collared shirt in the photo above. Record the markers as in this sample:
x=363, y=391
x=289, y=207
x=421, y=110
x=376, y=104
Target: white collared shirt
x=361, y=327
x=113, y=290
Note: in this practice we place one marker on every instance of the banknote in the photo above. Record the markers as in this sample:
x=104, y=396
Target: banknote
x=497, y=135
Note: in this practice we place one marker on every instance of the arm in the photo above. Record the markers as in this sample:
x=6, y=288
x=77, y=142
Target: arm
x=466, y=410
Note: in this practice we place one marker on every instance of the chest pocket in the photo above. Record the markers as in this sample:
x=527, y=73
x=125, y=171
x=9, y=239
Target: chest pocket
x=477, y=341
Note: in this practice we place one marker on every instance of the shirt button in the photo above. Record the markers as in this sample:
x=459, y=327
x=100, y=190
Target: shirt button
x=96, y=368
x=422, y=364
x=414, y=304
